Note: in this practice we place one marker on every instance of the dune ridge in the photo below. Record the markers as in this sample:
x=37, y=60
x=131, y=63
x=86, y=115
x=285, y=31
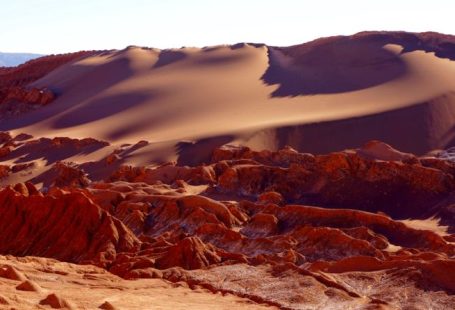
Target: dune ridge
x=399, y=79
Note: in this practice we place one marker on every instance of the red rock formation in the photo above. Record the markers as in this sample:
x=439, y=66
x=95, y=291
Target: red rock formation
x=30, y=96
x=171, y=221
x=269, y=233
x=440, y=271
x=4, y=151
x=398, y=188
x=4, y=171
x=189, y=253
x=21, y=167
x=382, y=151
x=14, y=81
x=167, y=173
x=65, y=226
x=60, y=142
x=69, y=175
x=5, y=137
x=36, y=69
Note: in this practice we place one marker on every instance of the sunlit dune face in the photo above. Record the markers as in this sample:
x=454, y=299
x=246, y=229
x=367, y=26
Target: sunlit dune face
x=249, y=92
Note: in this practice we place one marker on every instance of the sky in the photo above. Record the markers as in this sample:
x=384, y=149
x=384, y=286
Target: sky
x=59, y=26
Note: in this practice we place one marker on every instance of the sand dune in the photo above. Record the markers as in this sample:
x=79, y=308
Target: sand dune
x=316, y=97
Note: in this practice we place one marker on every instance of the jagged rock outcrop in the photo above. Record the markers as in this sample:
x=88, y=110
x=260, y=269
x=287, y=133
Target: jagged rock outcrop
x=61, y=225
x=30, y=96
x=36, y=69
x=299, y=215
x=61, y=142
x=5, y=137
x=400, y=188
x=189, y=253
x=167, y=173
x=434, y=270
x=268, y=232
x=4, y=171
x=69, y=175
x=382, y=151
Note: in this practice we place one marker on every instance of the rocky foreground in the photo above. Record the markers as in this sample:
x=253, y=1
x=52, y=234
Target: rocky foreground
x=42, y=283
x=369, y=228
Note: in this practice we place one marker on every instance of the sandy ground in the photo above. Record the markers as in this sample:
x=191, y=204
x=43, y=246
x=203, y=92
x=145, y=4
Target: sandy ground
x=88, y=287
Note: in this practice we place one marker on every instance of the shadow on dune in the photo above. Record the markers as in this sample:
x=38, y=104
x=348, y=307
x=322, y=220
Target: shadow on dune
x=224, y=59
x=451, y=140
x=87, y=83
x=95, y=110
x=439, y=119
x=44, y=149
x=332, y=68
x=406, y=129
x=167, y=57
x=244, y=44
x=148, y=122
x=449, y=143
x=191, y=154
x=417, y=129
x=342, y=64
x=219, y=60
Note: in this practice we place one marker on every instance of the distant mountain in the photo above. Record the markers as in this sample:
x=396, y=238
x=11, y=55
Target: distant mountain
x=15, y=59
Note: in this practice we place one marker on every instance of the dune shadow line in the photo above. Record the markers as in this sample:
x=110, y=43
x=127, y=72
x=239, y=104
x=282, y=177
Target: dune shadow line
x=330, y=68
x=95, y=110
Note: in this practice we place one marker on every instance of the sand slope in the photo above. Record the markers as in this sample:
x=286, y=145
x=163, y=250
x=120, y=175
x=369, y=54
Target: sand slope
x=316, y=97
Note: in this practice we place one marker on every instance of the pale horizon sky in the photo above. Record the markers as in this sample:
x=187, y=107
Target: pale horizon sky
x=59, y=26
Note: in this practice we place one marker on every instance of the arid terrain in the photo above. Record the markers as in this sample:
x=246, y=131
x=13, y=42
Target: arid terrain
x=316, y=176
